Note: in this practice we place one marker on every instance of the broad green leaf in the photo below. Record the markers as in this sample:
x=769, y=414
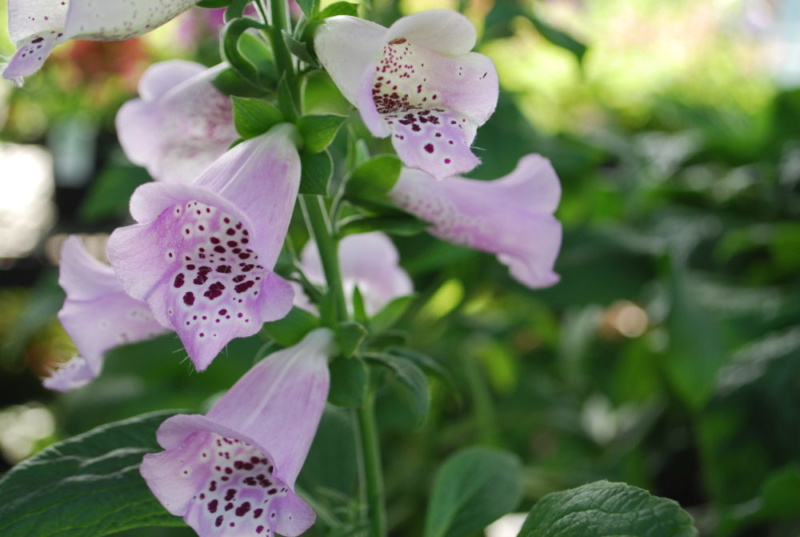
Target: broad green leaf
x=348, y=382
x=318, y=131
x=236, y=9
x=349, y=335
x=309, y=7
x=339, y=8
x=254, y=117
x=229, y=82
x=780, y=495
x=390, y=313
x=298, y=48
x=604, y=509
x=86, y=486
x=472, y=489
x=697, y=351
x=256, y=50
x=405, y=225
x=411, y=380
x=430, y=366
x=229, y=49
x=374, y=178
x=293, y=328
x=317, y=170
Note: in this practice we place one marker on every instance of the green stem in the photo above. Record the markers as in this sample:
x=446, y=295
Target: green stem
x=370, y=448
x=283, y=58
x=316, y=216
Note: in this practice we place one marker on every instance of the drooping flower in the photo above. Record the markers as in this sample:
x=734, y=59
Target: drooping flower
x=416, y=81
x=97, y=315
x=202, y=254
x=511, y=216
x=232, y=472
x=367, y=260
x=181, y=123
x=36, y=26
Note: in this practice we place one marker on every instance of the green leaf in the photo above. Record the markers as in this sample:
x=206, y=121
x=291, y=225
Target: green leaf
x=299, y=49
x=359, y=309
x=348, y=382
x=309, y=7
x=229, y=82
x=254, y=117
x=697, y=351
x=316, y=171
x=286, y=102
x=374, y=178
x=236, y=9
x=319, y=131
x=213, y=4
x=412, y=382
x=405, y=225
x=558, y=37
x=349, y=335
x=473, y=488
x=430, y=366
x=391, y=312
x=339, y=8
x=291, y=329
x=229, y=49
x=258, y=52
x=604, y=509
x=86, y=486
x=110, y=194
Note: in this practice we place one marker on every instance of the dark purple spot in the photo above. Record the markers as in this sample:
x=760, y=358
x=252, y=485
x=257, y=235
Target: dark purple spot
x=188, y=299
x=242, y=287
x=243, y=509
x=230, y=494
x=257, y=513
x=224, y=269
x=212, y=506
x=429, y=148
x=214, y=290
x=179, y=281
x=219, y=520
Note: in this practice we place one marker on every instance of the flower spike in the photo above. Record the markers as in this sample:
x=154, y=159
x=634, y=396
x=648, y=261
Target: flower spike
x=416, y=81
x=97, y=315
x=202, y=254
x=36, y=26
x=231, y=472
x=511, y=216
x=181, y=123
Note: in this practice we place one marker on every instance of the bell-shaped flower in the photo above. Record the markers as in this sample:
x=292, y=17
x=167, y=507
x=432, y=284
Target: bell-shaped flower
x=511, y=216
x=368, y=261
x=202, y=253
x=181, y=123
x=36, y=26
x=231, y=472
x=97, y=314
x=416, y=81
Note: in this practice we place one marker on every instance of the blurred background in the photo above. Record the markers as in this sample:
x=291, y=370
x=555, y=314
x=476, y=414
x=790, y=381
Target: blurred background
x=668, y=356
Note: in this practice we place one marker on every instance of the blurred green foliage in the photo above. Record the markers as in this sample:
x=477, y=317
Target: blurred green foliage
x=668, y=356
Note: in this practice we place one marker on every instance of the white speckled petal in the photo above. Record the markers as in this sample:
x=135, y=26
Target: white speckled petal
x=97, y=314
x=202, y=254
x=369, y=261
x=31, y=17
x=30, y=55
x=231, y=473
x=510, y=216
x=180, y=125
x=114, y=20
x=440, y=30
x=347, y=47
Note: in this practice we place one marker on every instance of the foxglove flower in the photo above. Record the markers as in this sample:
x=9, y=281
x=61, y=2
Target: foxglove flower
x=36, y=26
x=181, y=123
x=511, y=216
x=231, y=472
x=368, y=261
x=416, y=81
x=97, y=315
x=202, y=254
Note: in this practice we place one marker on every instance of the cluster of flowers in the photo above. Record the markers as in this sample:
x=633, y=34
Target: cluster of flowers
x=199, y=261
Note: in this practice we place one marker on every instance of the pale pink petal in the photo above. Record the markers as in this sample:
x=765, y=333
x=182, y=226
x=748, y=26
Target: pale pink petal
x=31, y=54
x=440, y=30
x=232, y=472
x=369, y=261
x=74, y=374
x=115, y=20
x=29, y=17
x=202, y=254
x=180, y=125
x=97, y=314
x=511, y=216
x=347, y=47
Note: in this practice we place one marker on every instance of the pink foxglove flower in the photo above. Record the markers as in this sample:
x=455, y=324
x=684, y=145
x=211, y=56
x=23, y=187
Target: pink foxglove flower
x=36, y=26
x=416, y=81
x=232, y=472
x=202, y=254
x=181, y=123
x=97, y=315
x=369, y=261
x=511, y=216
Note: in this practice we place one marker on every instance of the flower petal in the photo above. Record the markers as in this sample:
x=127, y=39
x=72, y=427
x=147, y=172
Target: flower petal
x=97, y=313
x=524, y=233
x=31, y=55
x=31, y=17
x=180, y=125
x=115, y=20
x=440, y=30
x=347, y=47
x=203, y=255
x=231, y=472
x=74, y=374
x=369, y=261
